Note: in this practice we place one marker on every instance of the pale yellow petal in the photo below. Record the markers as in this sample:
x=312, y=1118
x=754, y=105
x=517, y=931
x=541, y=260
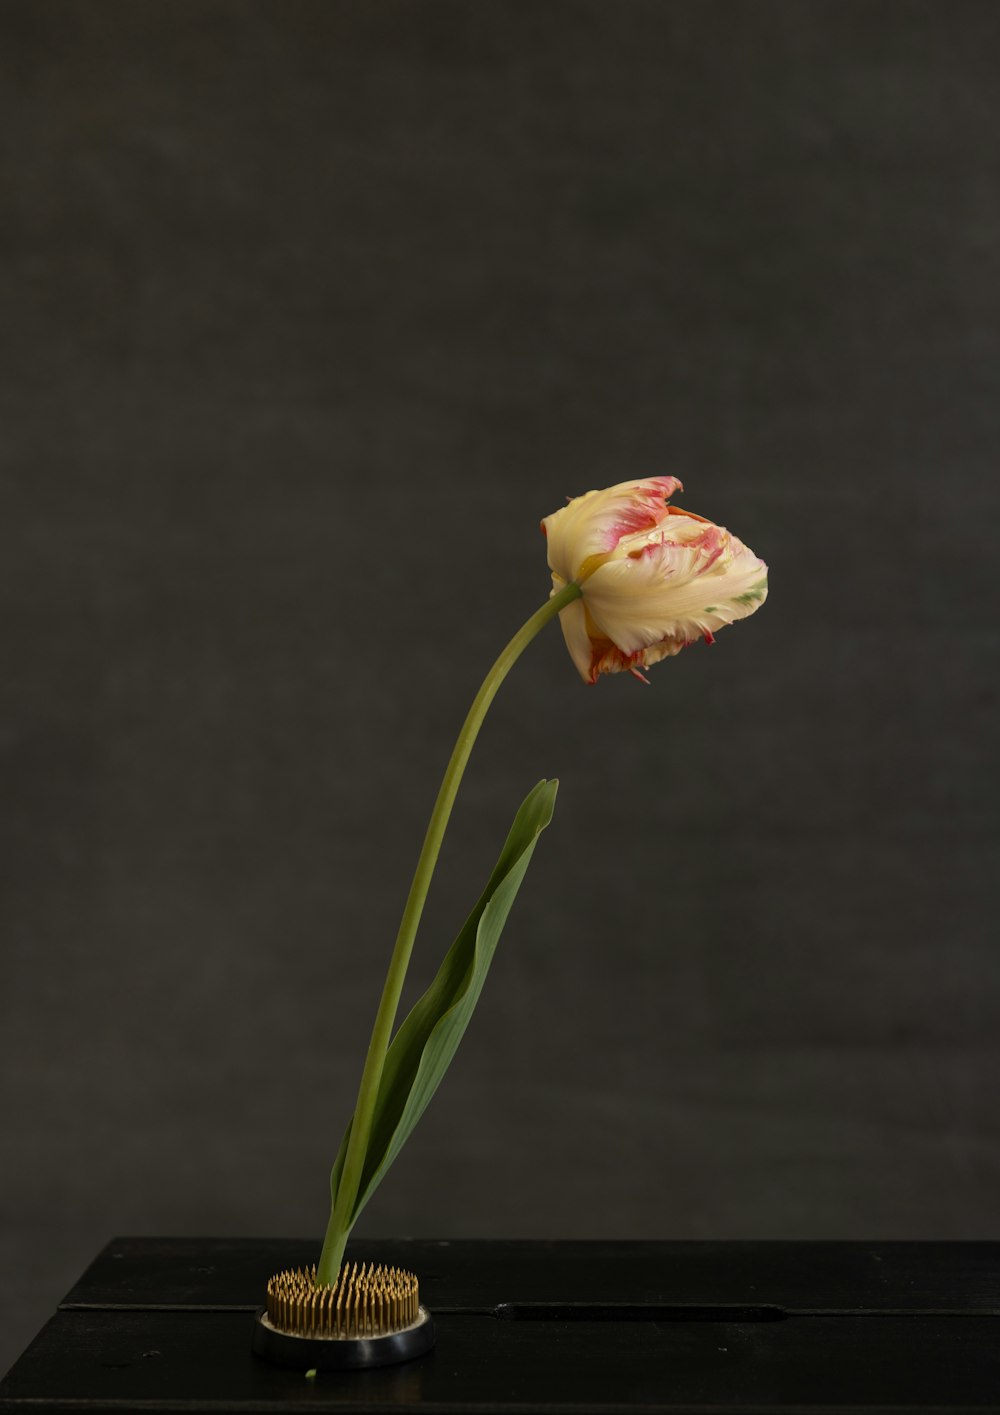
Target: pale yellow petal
x=592, y=525
x=656, y=591
x=573, y=622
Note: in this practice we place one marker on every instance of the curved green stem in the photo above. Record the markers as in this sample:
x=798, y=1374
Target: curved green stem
x=341, y=1219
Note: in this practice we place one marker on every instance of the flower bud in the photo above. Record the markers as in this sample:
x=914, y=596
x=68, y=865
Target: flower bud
x=653, y=578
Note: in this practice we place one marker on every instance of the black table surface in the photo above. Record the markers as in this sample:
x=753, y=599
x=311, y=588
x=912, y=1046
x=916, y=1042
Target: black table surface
x=165, y=1325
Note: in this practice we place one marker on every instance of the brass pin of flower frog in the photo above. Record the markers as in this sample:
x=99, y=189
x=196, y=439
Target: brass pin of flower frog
x=634, y=580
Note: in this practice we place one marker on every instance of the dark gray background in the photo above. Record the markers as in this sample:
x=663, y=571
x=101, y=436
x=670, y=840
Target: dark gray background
x=310, y=312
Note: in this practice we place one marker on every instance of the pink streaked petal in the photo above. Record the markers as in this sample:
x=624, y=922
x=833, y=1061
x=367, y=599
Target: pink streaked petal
x=675, y=591
x=607, y=657
x=710, y=542
x=591, y=526
x=641, y=508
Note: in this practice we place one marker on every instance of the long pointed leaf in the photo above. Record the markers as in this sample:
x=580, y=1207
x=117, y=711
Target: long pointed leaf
x=426, y=1041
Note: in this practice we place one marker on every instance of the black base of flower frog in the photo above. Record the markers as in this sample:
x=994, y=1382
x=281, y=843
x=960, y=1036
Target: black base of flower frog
x=311, y=1353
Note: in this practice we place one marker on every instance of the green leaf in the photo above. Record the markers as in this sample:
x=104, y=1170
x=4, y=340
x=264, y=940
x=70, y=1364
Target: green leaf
x=422, y=1049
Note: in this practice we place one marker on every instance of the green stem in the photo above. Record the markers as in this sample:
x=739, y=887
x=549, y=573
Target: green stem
x=341, y=1219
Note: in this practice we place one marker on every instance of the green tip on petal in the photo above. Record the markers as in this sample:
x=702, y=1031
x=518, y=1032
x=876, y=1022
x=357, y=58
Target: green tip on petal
x=754, y=594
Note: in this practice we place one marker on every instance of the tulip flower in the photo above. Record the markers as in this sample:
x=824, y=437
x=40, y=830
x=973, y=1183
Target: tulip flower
x=653, y=578
x=634, y=580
